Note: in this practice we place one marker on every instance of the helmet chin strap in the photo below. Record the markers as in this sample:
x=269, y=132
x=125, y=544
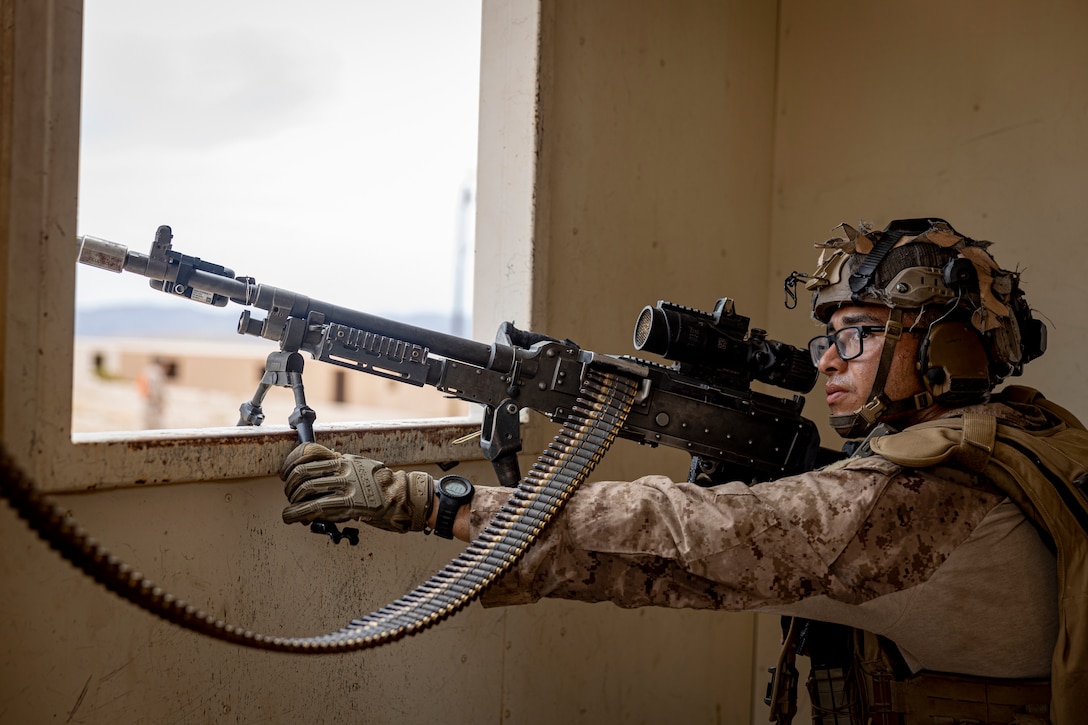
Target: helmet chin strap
x=864, y=419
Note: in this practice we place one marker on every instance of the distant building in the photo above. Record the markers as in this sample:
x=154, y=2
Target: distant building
x=205, y=382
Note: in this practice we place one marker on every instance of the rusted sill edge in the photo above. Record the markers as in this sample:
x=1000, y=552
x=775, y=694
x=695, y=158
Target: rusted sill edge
x=111, y=460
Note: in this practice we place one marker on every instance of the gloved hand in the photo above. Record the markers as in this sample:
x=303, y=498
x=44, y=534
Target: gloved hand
x=322, y=484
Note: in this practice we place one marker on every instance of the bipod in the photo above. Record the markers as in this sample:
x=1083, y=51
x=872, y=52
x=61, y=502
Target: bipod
x=284, y=369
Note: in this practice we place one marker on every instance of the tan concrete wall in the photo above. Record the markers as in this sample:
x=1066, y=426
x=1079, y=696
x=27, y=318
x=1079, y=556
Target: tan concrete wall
x=679, y=151
x=973, y=111
x=654, y=153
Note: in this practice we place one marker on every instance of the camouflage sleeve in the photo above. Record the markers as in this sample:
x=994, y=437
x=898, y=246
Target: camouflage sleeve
x=853, y=533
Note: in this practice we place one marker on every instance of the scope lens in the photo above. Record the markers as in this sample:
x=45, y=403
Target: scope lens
x=652, y=331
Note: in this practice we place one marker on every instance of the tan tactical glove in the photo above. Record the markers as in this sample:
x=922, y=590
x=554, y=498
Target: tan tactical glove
x=325, y=485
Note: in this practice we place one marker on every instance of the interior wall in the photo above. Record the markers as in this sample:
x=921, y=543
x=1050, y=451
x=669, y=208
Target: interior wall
x=654, y=180
x=653, y=183
x=73, y=652
x=971, y=111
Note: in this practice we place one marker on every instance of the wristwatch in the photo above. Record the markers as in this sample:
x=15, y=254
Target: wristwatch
x=453, y=493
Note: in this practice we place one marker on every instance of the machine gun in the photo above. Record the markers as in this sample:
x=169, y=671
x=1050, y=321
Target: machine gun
x=702, y=403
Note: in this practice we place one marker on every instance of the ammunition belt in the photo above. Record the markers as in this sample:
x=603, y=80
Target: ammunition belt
x=584, y=438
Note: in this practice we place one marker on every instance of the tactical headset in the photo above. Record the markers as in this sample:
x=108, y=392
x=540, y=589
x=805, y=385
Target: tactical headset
x=978, y=328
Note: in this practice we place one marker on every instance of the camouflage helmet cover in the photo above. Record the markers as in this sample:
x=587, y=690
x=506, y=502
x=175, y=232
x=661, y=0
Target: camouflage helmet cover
x=917, y=267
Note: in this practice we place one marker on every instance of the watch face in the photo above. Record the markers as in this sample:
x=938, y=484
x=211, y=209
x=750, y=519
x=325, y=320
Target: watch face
x=455, y=487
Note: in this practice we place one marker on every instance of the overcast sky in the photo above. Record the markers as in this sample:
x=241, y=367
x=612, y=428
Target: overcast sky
x=324, y=147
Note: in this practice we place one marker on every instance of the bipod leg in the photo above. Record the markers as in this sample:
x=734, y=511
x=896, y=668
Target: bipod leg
x=284, y=369
x=303, y=416
x=250, y=412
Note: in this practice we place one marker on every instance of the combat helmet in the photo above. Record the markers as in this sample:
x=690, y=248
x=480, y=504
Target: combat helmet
x=976, y=326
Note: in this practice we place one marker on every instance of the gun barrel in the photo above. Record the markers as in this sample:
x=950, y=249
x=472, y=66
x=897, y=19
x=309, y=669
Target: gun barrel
x=108, y=255
x=282, y=301
x=115, y=257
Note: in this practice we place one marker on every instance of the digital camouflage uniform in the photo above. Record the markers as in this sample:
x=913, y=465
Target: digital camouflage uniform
x=936, y=560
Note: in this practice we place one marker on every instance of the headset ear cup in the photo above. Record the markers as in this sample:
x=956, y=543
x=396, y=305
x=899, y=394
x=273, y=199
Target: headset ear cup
x=954, y=364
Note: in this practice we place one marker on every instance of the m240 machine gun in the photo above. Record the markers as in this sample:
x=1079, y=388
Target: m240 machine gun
x=703, y=403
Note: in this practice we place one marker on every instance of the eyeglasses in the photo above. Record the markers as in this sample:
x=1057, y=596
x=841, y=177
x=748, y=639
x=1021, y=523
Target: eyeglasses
x=847, y=342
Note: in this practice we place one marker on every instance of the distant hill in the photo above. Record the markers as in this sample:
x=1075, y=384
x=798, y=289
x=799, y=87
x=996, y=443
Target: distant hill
x=199, y=322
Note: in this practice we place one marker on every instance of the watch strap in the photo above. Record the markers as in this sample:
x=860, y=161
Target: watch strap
x=448, y=506
x=447, y=513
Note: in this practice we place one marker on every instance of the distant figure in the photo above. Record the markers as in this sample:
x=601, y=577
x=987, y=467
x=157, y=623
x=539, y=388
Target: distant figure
x=151, y=384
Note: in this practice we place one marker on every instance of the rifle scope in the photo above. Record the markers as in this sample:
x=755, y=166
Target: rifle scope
x=720, y=342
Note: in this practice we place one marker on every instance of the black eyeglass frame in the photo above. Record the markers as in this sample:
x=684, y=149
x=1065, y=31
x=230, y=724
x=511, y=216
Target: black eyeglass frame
x=864, y=331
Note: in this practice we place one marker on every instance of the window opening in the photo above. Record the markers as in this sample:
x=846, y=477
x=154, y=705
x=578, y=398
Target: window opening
x=333, y=157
